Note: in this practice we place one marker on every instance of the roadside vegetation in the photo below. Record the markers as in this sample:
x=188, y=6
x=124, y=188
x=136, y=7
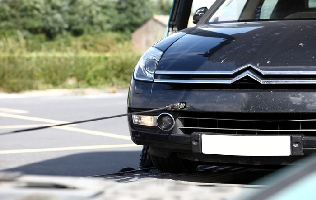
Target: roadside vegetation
x=70, y=43
x=105, y=60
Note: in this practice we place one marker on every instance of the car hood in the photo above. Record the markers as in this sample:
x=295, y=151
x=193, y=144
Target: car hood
x=273, y=46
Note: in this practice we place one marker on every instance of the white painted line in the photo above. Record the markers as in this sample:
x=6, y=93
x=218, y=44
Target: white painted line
x=23, y=126
x=99, y=133
x=18, y=151
x=8, y=110
x=36, y=119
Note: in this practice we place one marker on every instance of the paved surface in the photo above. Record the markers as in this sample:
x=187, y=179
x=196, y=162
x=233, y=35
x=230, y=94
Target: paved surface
x=82, y=150
x=95, y=148
x=61, y=188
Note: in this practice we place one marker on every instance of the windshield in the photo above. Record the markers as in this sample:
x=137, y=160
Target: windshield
x=256, y=10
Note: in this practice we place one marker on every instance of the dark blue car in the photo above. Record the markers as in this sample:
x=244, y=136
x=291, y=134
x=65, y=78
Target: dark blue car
x=246, y=74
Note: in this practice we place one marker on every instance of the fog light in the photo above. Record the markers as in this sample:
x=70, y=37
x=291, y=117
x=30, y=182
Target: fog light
x=165, y=121
x=144, y=120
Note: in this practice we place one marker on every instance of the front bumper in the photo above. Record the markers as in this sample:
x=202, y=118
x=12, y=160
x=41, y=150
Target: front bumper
x=190, y=147
x=282, y=103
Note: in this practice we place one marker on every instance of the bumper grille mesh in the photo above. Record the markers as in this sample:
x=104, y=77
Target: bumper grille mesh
x=250, y=124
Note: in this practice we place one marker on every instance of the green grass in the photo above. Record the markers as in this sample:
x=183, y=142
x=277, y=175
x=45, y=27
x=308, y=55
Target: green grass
x=90, y=61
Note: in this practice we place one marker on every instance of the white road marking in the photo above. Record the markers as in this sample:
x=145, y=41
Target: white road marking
x=18, y=151
x=23, y=126
x=99, y=133
x=37, y=119
x=8, y=110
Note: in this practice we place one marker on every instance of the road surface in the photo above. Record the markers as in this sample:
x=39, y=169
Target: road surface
x=82, y=150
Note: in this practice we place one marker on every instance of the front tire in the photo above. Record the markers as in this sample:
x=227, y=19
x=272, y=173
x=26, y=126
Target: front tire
x=145, y=159
x=173, y=164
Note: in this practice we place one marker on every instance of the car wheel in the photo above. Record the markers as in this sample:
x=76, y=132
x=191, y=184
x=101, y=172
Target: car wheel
x=145, y=159
x=173, y=164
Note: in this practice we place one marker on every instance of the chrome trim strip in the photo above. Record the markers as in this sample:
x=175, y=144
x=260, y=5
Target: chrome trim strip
x=245, y=74
x=230, y=82
x=262, y=72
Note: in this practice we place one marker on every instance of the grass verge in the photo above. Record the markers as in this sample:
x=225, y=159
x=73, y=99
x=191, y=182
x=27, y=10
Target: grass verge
x=72, y=64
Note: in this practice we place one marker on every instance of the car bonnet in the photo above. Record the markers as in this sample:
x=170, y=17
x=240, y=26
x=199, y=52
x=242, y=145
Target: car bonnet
x=266, y=45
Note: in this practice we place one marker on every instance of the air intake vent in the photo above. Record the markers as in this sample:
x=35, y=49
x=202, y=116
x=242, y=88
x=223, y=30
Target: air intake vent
x=249, y=124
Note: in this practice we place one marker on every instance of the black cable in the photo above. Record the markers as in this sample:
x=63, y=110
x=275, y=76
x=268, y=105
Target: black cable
x=176, y=106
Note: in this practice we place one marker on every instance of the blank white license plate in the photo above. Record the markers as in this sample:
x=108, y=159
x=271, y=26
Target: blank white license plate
x=246, y=145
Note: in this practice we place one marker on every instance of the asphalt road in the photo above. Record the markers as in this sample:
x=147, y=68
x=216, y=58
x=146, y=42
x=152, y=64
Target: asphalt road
x=82, y=150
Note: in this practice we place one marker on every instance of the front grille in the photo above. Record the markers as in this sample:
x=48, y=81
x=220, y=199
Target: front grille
x=249, y=124
x=247, y=74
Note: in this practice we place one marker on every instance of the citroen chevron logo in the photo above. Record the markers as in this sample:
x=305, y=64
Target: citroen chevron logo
x=249, y=66
x=247, y=74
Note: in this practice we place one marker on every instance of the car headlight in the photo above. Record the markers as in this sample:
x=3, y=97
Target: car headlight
x=145, y=68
